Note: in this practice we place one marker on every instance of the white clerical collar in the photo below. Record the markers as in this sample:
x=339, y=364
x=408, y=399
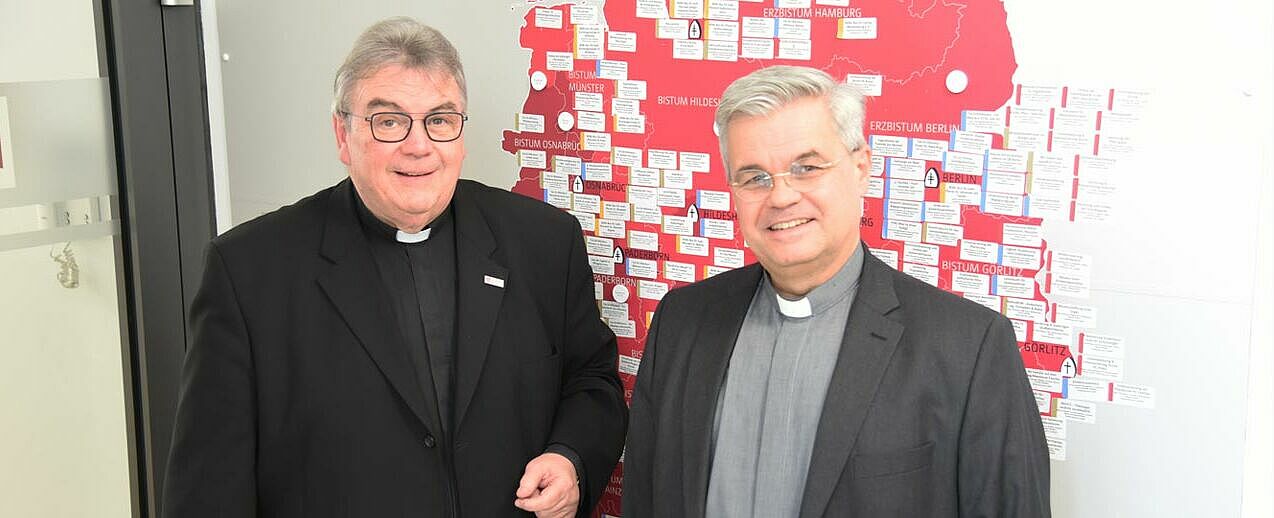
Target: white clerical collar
x=799, y=308
x=404, y=237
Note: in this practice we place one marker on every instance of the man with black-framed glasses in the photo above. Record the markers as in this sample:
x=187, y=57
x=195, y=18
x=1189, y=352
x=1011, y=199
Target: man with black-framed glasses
x=821, y=382
x=404, y=343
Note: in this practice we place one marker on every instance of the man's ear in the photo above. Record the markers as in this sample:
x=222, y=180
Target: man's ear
x=341, y=129
x=862, y=169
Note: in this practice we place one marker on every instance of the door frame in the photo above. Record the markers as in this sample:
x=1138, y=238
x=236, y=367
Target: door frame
x=155, y=65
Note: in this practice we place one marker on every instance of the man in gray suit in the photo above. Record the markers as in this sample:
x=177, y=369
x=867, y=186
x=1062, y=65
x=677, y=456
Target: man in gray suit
x=822, y=382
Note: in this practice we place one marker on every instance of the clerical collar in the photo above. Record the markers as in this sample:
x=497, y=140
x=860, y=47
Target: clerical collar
x=374, y=226
x=799, y=308
x=825, y=295
x=404, y=237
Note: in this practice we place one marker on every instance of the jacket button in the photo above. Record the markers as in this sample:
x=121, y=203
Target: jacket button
x=430, y=441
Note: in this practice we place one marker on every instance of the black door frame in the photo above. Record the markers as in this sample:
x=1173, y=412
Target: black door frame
x=155, y=64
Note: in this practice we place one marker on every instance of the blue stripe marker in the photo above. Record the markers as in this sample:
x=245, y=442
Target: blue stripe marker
x=910, y=145
x=964, y=120
x=924, y=207
x=598, y=72
x=999, y=255
x=888, y=167
x=986, y=160
x=1066, y=385
x=983, y=204
x=995, y=285
x=944, y=160
x=1026, y=205
x=702, y=226
x=546, y=196
x=951, y=144
x=884, y=220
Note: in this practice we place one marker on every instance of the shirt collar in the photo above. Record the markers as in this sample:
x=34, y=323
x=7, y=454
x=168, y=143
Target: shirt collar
x=823, y=296
x=375, y=227
x=418, y=237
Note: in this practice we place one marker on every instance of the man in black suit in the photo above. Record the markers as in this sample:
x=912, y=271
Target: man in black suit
x=404, y=343
x=822, y=382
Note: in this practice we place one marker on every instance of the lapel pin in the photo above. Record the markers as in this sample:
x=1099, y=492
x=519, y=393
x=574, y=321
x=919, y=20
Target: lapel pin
x=494, y=281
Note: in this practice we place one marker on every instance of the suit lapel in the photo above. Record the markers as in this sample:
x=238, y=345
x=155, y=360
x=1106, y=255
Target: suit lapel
x=479, y=292
x=351, y=286
x=868, y=344
x=709, y=358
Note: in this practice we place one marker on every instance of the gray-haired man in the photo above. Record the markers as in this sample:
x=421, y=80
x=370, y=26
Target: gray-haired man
x=822, y=382
x=404, y=343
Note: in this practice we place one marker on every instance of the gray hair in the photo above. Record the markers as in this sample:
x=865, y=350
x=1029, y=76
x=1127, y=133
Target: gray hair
x=399, y=41
x=767, y=90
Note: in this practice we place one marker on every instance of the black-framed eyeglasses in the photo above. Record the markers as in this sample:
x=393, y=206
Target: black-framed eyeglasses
x=391, y=127
x=802, y=176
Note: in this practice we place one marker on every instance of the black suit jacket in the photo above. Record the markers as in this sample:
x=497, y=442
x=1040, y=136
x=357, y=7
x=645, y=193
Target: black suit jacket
x=299, y=396
x=928, y=412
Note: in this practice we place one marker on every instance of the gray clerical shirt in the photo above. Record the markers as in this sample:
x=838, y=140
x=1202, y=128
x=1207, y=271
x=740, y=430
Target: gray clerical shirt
x=768, y=411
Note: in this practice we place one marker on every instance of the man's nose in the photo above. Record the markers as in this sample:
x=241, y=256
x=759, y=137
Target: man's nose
x=781, y=192
x=417, y=141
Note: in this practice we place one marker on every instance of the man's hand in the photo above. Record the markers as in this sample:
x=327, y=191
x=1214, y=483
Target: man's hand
x=549, y=487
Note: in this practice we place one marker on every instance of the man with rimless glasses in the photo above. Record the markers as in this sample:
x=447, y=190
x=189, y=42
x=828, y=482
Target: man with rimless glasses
x=404, y=343
x=822, y=382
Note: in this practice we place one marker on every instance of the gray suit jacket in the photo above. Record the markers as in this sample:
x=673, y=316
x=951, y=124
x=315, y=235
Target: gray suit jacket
x=929, y=412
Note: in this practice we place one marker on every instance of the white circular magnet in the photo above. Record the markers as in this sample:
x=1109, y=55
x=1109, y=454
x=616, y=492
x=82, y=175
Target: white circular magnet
x=619, y=293
x=957, y=81
x=539, y=80
x=565, y=121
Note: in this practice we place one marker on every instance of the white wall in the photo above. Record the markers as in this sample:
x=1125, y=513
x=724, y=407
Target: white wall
x=63, y=444
x=277, y=85
x=216, y=116
x=1183, y=270
x=1258, y=468
x=63, y=421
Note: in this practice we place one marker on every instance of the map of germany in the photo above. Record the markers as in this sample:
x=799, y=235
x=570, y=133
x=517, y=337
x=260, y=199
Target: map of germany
x=617, y=129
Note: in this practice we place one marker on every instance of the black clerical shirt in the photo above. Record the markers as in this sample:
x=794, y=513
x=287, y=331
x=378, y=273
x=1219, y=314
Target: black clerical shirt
x=421, y=281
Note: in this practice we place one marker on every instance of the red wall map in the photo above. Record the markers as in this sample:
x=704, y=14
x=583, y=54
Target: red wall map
x=617, y=129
